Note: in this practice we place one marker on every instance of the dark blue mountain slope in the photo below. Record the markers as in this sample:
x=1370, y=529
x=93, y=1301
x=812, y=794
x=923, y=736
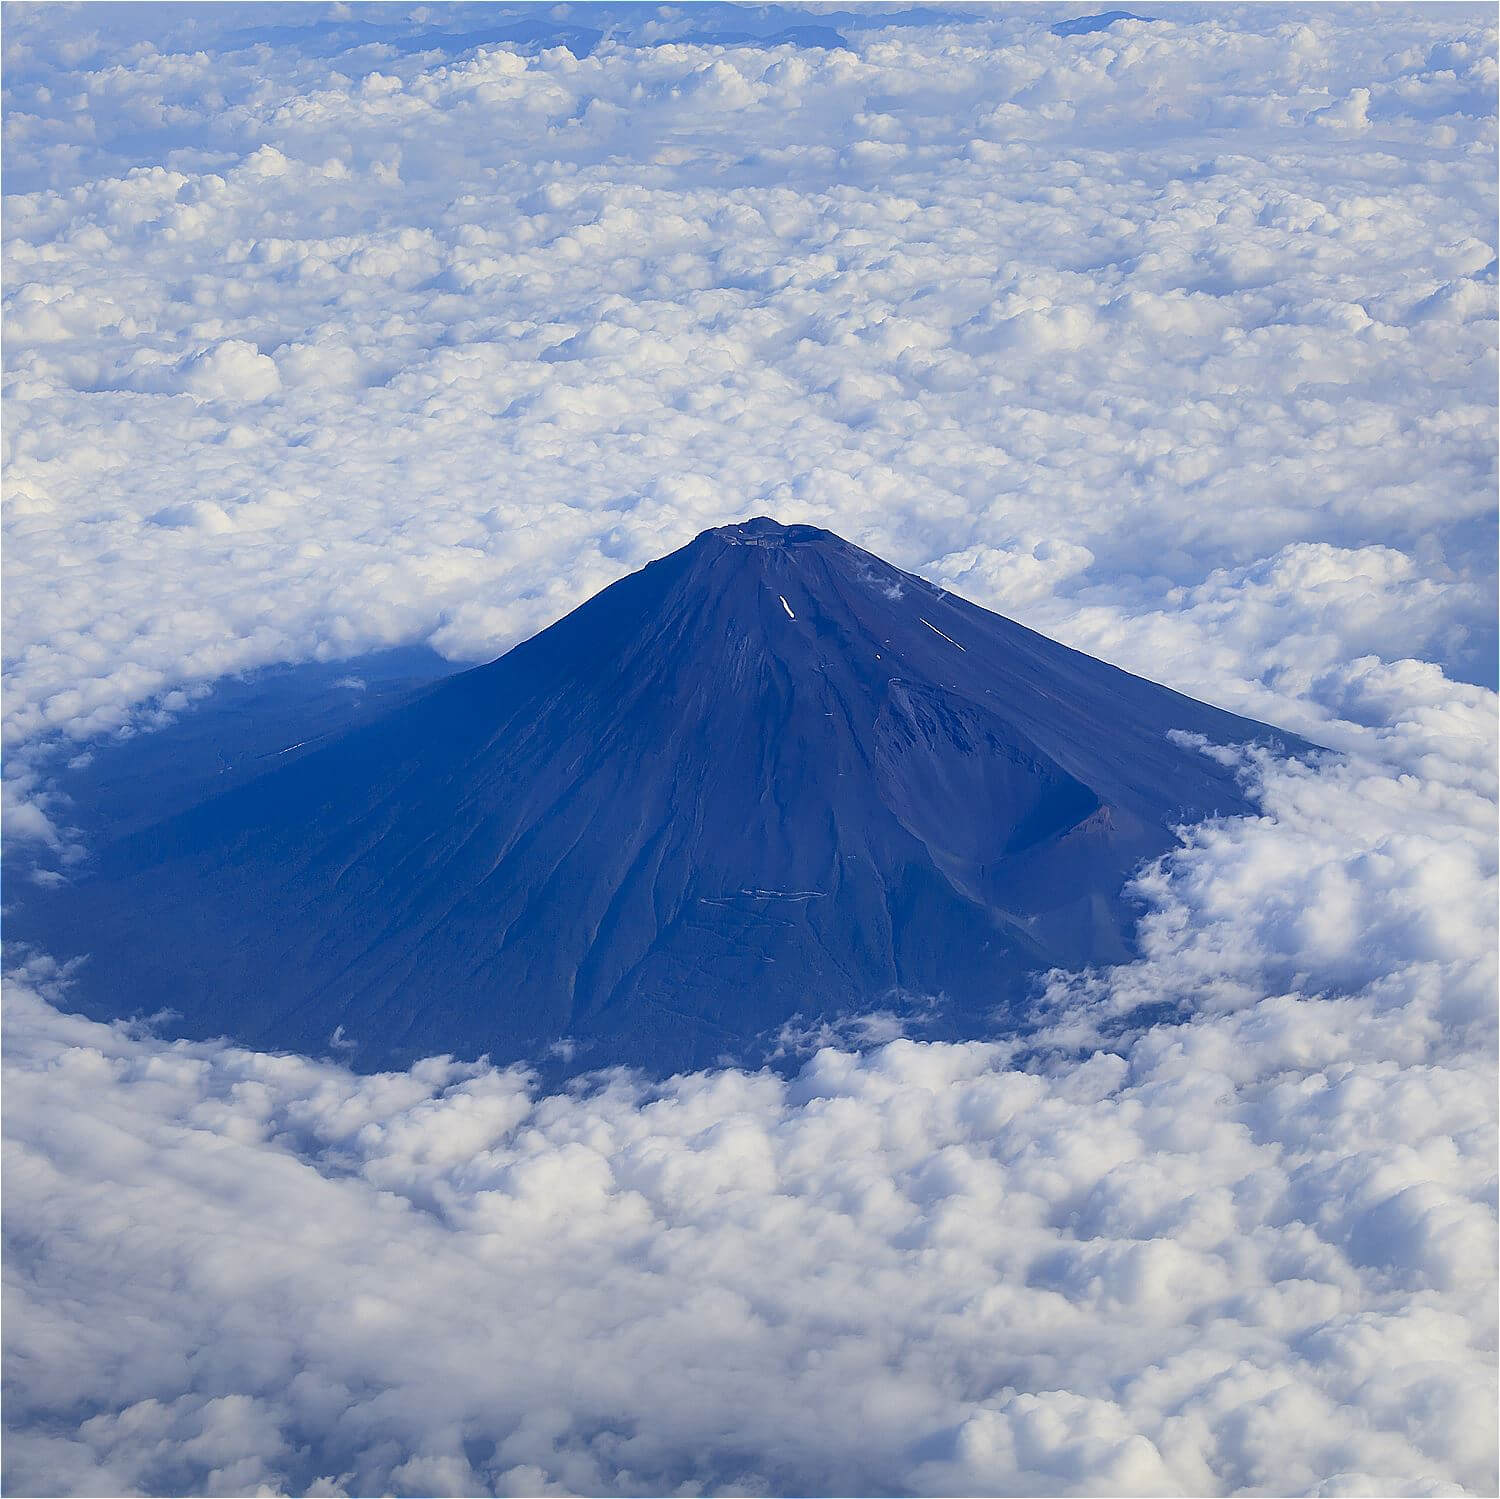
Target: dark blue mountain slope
x=1087, y=25
x=768, y=775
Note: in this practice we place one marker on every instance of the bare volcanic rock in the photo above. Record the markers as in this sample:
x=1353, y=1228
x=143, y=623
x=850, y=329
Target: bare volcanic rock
x=766, y=776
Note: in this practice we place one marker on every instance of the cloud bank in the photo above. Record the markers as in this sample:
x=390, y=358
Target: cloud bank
x=1253, y=1251
x=1175, y=340
x=310, y=354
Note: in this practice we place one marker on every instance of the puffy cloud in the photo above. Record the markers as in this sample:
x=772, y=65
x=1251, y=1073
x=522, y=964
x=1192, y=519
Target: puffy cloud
x=472, y=307
x=230, y=371
x=1277, y=639
x=1174, y=339
x=1250, y=1251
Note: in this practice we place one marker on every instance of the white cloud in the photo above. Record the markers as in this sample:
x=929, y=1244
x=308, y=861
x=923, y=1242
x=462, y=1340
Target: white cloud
x=1124, y=325
x=233, y=370
x=1254, y=1251
x=1175, y=340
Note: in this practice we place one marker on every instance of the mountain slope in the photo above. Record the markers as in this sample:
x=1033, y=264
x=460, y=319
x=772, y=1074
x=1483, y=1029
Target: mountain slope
x=768, y=775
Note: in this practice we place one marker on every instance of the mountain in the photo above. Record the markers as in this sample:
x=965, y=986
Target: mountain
x=768, y=776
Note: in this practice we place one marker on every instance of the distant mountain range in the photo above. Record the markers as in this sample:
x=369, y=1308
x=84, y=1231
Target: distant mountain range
x=767, y=779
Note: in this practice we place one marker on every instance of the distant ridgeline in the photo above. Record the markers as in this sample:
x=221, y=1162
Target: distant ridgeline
x=766, y=779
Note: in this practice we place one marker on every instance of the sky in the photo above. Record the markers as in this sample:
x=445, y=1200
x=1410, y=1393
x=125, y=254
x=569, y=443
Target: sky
x=329, y=329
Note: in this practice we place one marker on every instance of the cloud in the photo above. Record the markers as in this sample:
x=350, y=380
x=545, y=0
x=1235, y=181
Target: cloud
x=1254, y=1250
x=458, y=318
x=233, y=370
x=198, y=515
x=1173, y=340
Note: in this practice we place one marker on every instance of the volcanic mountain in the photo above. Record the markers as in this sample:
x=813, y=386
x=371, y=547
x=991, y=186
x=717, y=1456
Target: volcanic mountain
x=768, y=776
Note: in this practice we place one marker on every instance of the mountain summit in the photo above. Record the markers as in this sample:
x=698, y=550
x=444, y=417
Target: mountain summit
x=767, y=776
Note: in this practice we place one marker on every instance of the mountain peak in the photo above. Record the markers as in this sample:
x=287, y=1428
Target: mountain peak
x=762, y=531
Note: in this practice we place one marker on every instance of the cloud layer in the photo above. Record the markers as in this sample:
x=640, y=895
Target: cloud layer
x=1250, y=1252
x=313, y=354
x=1175, y=340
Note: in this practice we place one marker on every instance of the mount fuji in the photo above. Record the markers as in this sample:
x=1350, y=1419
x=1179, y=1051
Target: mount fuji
x=767, y=780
